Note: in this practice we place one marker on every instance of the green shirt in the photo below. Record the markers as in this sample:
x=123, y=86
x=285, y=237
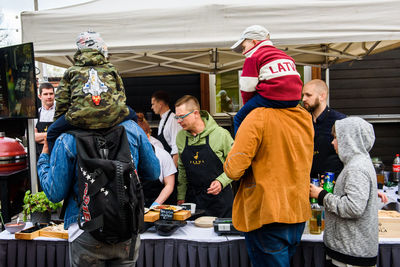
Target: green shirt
x=220, y=141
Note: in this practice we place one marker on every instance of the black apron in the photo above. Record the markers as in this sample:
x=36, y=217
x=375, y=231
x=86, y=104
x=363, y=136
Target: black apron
x=202, y=167
x=161, y=137
x=42, y=128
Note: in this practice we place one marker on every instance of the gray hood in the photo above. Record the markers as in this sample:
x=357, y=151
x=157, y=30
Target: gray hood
x=355, y=137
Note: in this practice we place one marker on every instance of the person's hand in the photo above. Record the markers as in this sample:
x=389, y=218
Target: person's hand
x=45, y=146
x=383, y=197
x=215, y=188
x=180, y=202
x=314, y=191
x=154, y=204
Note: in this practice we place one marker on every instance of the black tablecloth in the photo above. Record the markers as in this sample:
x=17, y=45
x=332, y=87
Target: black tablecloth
x=27, y=253
x=173, y=252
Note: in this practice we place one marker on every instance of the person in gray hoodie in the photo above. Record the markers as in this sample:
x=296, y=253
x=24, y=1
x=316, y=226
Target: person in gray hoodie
x=351, y=212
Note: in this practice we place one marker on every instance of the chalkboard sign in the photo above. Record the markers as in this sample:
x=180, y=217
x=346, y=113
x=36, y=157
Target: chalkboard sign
x=166, y=214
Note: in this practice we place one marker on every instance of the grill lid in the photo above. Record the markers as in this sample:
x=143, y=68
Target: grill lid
x=11, y=148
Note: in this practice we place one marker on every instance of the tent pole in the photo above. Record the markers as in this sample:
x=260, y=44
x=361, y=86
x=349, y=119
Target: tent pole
x=327, y=83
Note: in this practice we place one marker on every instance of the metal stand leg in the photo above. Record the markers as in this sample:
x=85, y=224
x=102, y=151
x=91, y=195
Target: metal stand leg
x=5, y=209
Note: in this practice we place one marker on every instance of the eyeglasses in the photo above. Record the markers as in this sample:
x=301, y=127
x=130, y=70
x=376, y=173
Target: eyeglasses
x=180, y=118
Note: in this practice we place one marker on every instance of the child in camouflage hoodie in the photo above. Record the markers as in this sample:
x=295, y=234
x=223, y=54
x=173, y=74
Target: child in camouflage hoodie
x=91, y=94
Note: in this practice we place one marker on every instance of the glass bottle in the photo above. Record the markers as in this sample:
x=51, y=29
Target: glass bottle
x=316, y=222
x=316, y=218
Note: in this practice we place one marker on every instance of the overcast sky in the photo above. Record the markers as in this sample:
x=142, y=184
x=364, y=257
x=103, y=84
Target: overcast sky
x=28, y=5
x=10, y=21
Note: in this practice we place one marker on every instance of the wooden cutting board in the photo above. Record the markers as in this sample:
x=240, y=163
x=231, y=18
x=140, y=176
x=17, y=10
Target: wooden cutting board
x=205, y=221
x=182, y=215
x=32, y=235
x=153, y=216
x=49, y=233
x=27, y=236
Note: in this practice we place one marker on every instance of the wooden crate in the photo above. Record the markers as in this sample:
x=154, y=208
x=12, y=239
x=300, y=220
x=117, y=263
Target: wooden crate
x=389, y=224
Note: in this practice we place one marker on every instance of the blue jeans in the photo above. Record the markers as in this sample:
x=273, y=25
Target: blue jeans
x=258, y=101
x=273, y=245
x=87, y=251
x=61, y=125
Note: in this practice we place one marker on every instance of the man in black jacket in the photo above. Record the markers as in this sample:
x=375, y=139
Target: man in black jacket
x=315, y=94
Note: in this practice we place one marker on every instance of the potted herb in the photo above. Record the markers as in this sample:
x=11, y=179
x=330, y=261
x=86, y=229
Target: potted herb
x=39, y=207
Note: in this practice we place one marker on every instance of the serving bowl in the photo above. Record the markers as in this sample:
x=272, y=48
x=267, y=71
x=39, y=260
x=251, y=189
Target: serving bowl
x=14, y=227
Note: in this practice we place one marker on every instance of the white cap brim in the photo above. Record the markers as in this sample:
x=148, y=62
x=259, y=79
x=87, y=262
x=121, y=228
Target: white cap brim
x=237, y=46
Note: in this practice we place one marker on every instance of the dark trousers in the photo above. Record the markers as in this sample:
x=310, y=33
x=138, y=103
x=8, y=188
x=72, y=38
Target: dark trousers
x=61, y=125
x=87, y=251
x=258, y=101
x=273, y=245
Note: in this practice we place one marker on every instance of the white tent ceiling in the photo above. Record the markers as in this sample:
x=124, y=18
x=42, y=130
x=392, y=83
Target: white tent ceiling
x=161, y=37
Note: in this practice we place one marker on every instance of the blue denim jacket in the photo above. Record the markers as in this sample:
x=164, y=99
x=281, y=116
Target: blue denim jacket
x=56, y=173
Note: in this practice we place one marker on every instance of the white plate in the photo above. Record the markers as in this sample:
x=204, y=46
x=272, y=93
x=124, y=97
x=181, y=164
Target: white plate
x=160, y=207
x=146, y=210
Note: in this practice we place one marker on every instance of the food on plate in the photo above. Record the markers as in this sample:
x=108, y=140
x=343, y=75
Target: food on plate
x=166, y=207
x=56, y=228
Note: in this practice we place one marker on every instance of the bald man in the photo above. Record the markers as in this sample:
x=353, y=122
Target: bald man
x=315, y=94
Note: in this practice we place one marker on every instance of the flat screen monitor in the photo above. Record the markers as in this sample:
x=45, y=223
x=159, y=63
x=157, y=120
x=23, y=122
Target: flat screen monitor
x=18, y=89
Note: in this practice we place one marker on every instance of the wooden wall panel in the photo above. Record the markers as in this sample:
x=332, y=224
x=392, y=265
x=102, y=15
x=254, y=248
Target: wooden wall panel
x=387, y=142
x=371, y=87
x=205, y=92
x=367, y=87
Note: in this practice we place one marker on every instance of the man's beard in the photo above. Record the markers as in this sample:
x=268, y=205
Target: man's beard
x=312, y=108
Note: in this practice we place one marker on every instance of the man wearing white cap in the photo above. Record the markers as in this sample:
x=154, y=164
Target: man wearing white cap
x=269, y=77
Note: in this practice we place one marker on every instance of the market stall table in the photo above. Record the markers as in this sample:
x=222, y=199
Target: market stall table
x=188, y=246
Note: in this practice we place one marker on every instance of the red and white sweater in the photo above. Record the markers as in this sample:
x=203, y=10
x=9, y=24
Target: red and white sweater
x=271, y=73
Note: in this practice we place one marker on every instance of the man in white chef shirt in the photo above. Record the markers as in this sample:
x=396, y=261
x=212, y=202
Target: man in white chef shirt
x=45, y=114
x=168, y=127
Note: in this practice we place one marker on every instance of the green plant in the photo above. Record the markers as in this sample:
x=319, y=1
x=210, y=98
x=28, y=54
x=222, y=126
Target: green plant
x=38, y=202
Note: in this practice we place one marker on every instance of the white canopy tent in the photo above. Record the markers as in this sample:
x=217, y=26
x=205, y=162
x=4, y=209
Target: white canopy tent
x=160, y=37
x=156, y=37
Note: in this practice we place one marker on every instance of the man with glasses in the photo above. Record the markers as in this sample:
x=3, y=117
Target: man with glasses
x=203, y=147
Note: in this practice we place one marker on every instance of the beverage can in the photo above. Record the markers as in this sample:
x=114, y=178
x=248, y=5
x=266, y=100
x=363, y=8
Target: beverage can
x=328, y=181
x=396, y=169
x=315, y=181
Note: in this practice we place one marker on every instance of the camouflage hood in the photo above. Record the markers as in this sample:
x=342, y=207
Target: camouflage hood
x=91, y=94
x=89, y=57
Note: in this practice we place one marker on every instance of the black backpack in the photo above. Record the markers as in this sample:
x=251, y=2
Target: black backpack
x=110, y=195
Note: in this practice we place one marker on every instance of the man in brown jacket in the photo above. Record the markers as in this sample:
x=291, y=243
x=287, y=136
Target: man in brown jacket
x=272, y=155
